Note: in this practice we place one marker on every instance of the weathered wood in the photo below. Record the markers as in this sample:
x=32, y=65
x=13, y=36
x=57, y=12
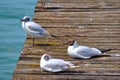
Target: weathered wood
x=93, y=23
x=83, y=5
x=76, y=1
x=103, y=14
x=65, y=77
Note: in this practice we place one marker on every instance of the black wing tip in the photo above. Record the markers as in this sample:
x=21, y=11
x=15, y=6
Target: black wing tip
x=53, y=35
x=106, y=50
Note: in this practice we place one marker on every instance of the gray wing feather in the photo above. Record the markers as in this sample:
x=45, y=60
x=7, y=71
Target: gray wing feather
x=56, y=65
x=87, y=51
x=36, y=27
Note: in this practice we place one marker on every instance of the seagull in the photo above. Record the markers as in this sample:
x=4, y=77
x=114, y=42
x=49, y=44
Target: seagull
x=47, y=63
x=33, y=29
x=83, y=52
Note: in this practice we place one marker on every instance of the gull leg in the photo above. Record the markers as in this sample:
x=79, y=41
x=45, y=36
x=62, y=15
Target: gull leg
x=33, y=41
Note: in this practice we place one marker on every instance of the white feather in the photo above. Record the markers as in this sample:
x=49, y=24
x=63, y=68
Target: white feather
x=84, y=52
x=33, y=29
x=54, y=65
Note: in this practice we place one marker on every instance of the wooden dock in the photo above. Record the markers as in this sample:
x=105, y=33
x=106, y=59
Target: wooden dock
x=94, y=23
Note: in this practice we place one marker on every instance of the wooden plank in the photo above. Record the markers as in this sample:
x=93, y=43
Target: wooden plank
x=98, y=17
x=103, y=14
x=61, y=77
x=59, y=9
x=80, y=20
x=72, y=1
x=83, y=5
x=98, y=60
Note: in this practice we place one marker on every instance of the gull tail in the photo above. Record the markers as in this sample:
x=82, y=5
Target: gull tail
x=63, y=35
x=50, y=34
x=106, y=50
x=72, y=66
x=53, y=35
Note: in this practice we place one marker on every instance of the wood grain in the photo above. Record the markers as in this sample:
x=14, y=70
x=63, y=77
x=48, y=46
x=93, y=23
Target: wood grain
x=94, y=23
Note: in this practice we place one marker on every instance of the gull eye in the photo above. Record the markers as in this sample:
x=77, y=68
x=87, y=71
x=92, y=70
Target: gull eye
x=27, y=19
x=46, y=58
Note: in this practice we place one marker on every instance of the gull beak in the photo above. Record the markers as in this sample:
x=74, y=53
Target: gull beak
x=21, y=20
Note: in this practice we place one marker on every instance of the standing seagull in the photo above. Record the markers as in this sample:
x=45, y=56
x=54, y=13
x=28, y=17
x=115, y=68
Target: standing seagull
x=54, y=65
x=84, y=52
x=33, y=29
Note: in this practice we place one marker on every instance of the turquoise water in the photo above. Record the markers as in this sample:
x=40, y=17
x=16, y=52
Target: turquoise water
x=12, y=37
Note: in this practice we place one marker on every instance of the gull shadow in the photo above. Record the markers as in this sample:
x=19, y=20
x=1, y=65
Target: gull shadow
x=57, y=7
x=43, y=45
x=69, y=72
x=73, y=78
x=69, y=78
x=99, y=56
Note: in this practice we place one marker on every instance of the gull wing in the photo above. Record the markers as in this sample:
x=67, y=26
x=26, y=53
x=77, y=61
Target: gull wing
x=56, y=65
x=84, y=52
x=87, y=52
x=35, y=27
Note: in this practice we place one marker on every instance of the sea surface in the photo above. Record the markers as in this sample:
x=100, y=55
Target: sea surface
x=12, y=37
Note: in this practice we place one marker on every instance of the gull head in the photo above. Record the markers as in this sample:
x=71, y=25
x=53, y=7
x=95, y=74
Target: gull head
x=25, y=19
x=46, y=57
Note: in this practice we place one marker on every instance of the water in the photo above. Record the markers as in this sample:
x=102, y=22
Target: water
x=12, y=36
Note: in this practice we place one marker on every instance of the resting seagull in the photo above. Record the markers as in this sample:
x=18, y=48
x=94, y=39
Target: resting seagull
x=54, y=65
x=33, y=29
x=84, y=52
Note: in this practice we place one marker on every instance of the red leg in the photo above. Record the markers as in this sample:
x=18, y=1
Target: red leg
x=33, y=41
